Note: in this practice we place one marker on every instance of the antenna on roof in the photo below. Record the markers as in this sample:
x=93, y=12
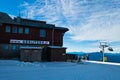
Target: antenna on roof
x=19, y=15
x=27, y=14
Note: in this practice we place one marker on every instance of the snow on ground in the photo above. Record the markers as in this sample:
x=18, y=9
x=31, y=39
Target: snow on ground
x=91, y=70
x=109, y=63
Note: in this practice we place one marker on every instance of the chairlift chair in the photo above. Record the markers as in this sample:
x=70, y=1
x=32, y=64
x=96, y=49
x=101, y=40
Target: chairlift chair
x=110, y=49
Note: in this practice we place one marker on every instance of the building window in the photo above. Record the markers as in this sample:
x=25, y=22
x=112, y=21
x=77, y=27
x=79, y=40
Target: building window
x=42, y=33
x=14, y=29
x=7, y=29
x=26, y=30
x=20, y=30
x=14, y=47
x=6, y=46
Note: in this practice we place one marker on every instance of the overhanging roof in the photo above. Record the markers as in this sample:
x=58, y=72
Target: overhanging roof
x=56, y=47
x=6, y=19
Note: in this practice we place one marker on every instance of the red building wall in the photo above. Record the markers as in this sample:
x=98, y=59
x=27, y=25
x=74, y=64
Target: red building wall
x=56, y=36
x=11, y=43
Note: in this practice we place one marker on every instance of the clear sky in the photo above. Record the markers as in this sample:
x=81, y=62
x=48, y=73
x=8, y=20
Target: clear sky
x=89, y=21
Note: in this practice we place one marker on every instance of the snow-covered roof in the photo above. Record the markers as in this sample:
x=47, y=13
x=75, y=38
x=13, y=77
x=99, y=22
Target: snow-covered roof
x=27, y=47
x=56, y=47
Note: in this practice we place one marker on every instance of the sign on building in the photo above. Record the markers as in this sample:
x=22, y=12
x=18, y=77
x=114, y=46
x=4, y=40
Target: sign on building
x=29, y=41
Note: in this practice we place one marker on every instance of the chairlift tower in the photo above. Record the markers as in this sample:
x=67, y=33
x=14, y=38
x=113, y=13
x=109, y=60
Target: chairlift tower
x=104, y=45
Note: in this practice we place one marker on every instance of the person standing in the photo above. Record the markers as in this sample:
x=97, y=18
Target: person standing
x=88, y=56
x=78, y=59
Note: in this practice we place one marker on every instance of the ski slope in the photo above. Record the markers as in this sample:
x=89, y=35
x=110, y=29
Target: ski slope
x=90, y=70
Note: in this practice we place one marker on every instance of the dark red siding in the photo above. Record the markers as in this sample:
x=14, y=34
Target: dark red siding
x=11, y=43
x=33, y=35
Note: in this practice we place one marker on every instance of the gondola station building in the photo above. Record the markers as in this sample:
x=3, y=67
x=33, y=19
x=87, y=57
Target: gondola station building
x=30, y=40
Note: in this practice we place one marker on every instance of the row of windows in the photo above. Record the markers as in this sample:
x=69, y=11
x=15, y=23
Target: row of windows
x=16, y=30
x=26, y=31
x=13, y=47
x=16, y=47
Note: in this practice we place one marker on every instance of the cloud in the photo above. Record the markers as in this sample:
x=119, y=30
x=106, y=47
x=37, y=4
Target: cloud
x=61, y=12
x=88, y=20
x=99, y=26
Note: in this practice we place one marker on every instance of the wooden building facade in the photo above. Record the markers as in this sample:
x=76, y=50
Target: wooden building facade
x=19, y=32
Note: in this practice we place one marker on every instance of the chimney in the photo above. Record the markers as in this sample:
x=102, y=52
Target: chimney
x=18, y=19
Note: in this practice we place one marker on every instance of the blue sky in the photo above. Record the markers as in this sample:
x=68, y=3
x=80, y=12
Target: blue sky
x=89, y=21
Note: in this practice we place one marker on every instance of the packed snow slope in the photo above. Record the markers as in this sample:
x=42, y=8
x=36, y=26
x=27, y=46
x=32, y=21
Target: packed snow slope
x=16, y=70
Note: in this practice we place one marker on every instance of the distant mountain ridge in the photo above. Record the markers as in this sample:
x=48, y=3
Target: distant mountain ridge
x=88, y=52
x=76, y=53
x=97, y=56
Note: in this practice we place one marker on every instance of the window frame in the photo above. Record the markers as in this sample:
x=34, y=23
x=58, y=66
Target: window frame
x=14, y=47
x=8, y=29
x=20, y=30
x=15, y=29
x=6, y=47
x=42, y=33
x=26, y=31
